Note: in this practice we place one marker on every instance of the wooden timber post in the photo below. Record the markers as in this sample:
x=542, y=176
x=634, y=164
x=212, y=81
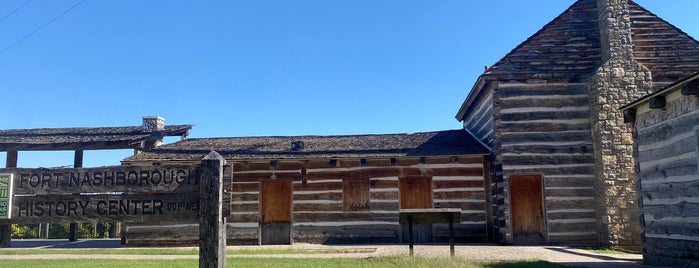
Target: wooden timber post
x=212, y=225
x=73, y=227
x=6, y=229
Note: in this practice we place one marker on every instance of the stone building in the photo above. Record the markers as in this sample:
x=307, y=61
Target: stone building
x=549, y=109
x=666, y=130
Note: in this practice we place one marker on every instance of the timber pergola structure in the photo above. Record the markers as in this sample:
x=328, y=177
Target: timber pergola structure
x=140, y=138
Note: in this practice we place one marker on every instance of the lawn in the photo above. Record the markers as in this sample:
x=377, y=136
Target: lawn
x=193, y=251
x=89, y=258
x=397, y=262
x=600, y=250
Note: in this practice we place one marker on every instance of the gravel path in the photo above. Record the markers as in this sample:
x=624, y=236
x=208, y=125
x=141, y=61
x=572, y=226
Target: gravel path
x=561, y=255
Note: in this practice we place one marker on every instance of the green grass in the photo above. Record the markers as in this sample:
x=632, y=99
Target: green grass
x=162, y=251
x=134, y=251
x=605, y=251
x=232, y=261
x=397, y=262
x=299, y=251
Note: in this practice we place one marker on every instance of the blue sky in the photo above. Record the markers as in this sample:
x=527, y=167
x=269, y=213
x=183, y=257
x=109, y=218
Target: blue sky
x=258, y=68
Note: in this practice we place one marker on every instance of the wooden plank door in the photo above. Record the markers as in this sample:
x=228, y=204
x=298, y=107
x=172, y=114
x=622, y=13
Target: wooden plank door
x=527, y=204
x=416, y=192
x=355, y=194
x=275, y=212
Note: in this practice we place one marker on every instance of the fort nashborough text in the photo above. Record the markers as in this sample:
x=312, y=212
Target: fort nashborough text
x=126, y=179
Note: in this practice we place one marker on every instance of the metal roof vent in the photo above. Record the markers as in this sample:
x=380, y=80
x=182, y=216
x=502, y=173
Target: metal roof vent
x=296, y=145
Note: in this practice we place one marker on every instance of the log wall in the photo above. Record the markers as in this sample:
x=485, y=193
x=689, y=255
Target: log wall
x=544, y=129
x=666, y=151
x=480, y=120
x=325, y=210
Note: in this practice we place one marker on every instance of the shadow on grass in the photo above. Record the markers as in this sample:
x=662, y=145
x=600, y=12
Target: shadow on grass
x=64, y=243
x=617, y=257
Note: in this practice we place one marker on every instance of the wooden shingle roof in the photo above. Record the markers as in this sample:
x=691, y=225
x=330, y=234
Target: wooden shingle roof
x=84, y=138
x=568, y=49
x=667, y=51
x=440, y=143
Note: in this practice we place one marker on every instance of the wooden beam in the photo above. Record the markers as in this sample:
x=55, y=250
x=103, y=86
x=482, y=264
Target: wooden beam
x=281, y=165
x=73, y=227
x=78, y=159
x=5, y=235
x=630, y=116
x=690, y=88
x=487, y=180
x=212, y=222
x=657, y=102
x=69, y=146
x=11, y=161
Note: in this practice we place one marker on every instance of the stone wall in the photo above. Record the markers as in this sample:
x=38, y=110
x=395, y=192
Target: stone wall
x=619, y=81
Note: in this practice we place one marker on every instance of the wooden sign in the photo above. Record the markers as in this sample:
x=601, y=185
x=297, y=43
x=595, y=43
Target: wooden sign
x=126, y=179
x=115, y=193
x=182, y=208
x=182, y=194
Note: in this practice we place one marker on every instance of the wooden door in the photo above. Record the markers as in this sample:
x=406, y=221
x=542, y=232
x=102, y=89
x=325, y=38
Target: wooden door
x=275, y=212
x=527, y=204
x=355, y=194
x=416, y=192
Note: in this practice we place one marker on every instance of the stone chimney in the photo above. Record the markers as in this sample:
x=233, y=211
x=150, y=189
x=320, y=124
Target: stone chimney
x=153, y=123
x=618, y=81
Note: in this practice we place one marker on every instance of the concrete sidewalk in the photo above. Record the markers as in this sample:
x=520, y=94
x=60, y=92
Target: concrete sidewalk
x=561, y=255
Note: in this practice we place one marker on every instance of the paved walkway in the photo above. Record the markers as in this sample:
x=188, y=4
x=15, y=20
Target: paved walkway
x=561, y=255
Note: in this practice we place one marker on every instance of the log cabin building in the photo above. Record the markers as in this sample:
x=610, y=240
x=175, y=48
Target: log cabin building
x=549, y=109
x=335, y=189
x=544, y=156
x=666, y=133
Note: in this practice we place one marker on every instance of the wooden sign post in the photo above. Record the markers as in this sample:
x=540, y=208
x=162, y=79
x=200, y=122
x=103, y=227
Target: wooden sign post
x=212, y=224
x=181, y=194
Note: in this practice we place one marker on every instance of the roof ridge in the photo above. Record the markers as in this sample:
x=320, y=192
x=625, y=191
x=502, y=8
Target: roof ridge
x=328, y=136
x=432, y=143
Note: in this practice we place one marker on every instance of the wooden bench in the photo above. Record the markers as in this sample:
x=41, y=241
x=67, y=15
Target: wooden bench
x=430, y=216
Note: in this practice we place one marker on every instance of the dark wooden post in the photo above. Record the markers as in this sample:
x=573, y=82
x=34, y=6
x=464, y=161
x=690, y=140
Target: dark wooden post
x=11, y=160
x=451, y=235
x=6, y=229
x=44, y=230
x=212, y=225
x=410, y=234
x=73, y=227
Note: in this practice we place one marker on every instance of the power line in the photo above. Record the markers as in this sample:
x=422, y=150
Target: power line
x=15, y=10
x=41, y=27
